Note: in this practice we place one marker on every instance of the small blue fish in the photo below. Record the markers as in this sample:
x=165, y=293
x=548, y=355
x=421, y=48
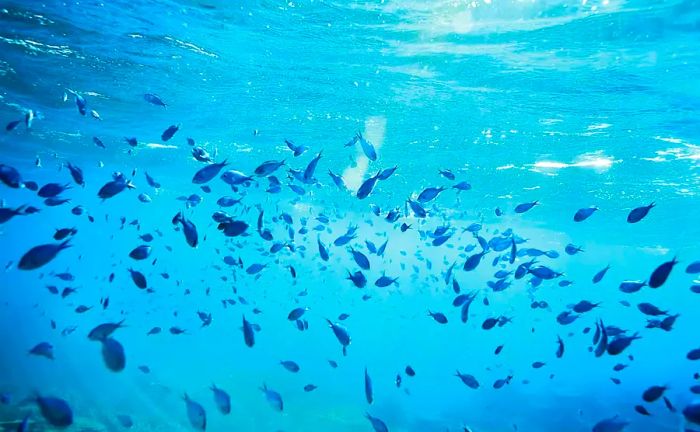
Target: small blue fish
x=584, y=213
x=388, y=172
x=55, y=411
x=367, y=186
x=338, y=180
x=639, y=213
x=599, y=276
x=169, y=132
x=41, y=255
x=367, y=148
x=140, y=252
x=222, y=400
x=522, y=208
x=248, y=334
x=377, y=424
x=368, y=388
x=360, y=258
x=113, y=355
x=429, y=194
x=43, y=349
x=297, y=150
x=341, y=334
x=154, y=99
x=661, y=273
x=290, y=365
x=385, y=281
x=273, y=398
x=268, y=167
x=207, y=173
x=195, y=413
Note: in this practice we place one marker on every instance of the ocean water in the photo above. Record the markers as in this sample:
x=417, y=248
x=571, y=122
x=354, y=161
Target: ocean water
x=569, y=104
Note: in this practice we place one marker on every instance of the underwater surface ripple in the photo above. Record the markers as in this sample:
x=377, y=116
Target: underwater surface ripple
x=323, y=215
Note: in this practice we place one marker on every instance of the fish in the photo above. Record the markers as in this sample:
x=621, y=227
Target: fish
x=612, y=424
x=195, y=413
x=233, y=228
x=387, y=172
x=125, y=421
x=113, y=355
x=448, y=174
x=377, y=424
x=55, y=411
x=660, y=274
x=169, y=132
x=639, y=213
x=522, y=208
x=248, y=334
x=465, y=186
x=473, y=261
x=429, y=194
x=290, y=365
x=105, y=330
x=620, y=343
x=367, y=186
x=600, y=275
x=138, y=278
x=341, y=334
x=653, y=393
x=141, y=252
x=560, y=347
x=468, y=380
x=43, y=349
x=298, y=150
x=188, y=228
x=650, y=309
x=368, y=388
x=154, y=99
x=357, y=278
x=360, y=259
x=39, y=256
x=76, y=173
x=118, y=184
x=221, y=399
x=439, y=317
x=7, y=213
x=337, y=180
x=273, y=398
x=367, y=148
x=12, y=125
x=268, y=167
x=584, y=213
x=10, y=177
x=204, y=175
x=52, y=190
x=385, y=281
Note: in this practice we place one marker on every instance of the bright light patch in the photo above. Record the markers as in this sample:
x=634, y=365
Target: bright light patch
x=160, y=146
x=597, y=161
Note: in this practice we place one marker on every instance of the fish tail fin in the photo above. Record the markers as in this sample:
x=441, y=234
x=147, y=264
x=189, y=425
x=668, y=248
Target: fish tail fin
x=65, y=244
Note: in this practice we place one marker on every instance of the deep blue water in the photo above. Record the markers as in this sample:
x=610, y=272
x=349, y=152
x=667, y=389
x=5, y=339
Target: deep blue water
x=570, y=104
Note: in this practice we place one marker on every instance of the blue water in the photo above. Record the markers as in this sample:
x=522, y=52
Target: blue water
x=570, y=104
